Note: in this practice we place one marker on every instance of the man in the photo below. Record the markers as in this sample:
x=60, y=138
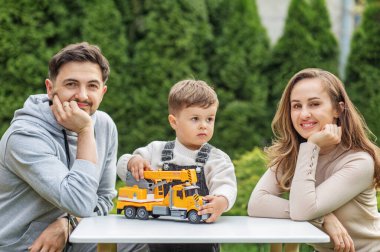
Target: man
x=58, y=157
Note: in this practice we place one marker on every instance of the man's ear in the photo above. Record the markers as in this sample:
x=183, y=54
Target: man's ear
x=104, y=89
x=173, y=121
x=49, y=88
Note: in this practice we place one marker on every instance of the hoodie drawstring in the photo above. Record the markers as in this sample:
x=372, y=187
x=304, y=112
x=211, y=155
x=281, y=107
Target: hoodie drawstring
x=66, y=148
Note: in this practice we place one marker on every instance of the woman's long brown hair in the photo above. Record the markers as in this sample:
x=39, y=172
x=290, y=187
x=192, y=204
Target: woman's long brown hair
x=356, y=135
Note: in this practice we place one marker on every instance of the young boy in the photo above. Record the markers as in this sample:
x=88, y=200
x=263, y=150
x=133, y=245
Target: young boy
x=192, y=111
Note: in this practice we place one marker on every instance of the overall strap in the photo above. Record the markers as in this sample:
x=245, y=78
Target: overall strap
x=203, y=154
x=167, y=152
x=200, y=160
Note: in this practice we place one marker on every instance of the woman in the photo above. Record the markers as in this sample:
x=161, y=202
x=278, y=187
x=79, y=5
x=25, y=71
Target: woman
x=323, y=157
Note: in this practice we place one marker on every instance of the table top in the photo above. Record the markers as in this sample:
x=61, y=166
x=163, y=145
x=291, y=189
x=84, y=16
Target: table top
x=227, y=229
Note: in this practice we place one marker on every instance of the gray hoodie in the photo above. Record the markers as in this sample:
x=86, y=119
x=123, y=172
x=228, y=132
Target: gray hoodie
x=39, y=182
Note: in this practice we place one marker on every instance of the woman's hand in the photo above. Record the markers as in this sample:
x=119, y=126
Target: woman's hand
x=330, y=135
x=338, y=234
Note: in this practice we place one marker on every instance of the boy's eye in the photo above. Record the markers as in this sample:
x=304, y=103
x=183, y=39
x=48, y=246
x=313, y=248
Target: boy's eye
x=194, y=119
x=210, y=119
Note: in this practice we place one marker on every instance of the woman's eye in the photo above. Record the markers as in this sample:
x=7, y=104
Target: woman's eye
x=296, y=106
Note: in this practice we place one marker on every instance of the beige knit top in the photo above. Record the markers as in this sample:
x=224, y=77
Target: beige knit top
x=340, y=182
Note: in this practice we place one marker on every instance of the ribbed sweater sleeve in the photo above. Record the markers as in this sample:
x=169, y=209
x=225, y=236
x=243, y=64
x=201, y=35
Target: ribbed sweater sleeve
x=349, y=177
x=266, y=201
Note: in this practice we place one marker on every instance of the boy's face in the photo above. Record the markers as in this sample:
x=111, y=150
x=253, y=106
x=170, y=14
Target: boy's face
x=194, y=126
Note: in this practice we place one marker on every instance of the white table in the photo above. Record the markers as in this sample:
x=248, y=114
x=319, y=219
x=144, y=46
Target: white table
x=113, y=229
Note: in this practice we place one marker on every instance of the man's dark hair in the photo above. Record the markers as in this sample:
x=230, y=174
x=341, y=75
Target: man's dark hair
x=80, y=52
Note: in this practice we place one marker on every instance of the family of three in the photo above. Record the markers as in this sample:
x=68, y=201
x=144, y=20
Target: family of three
x=58, y=159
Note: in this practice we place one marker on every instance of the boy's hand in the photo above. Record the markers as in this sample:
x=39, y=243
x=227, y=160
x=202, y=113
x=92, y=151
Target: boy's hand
x=137, y=165
x=215, y=206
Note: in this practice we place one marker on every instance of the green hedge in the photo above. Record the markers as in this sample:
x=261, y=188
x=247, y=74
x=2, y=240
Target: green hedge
x=363, y=70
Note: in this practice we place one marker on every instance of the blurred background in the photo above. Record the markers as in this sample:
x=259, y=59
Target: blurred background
x=246, y=49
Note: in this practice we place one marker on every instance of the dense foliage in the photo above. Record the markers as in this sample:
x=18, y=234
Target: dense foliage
x=307, y=42
x=238, y=76
x=150, y=45
x=363, y=71
x=168, y=39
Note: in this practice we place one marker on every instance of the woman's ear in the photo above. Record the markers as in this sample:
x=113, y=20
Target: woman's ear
x=339, y=109
x=173, y=121
x=338, y=112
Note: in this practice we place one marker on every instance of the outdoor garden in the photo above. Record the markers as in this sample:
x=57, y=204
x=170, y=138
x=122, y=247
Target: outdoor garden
x=152, y=44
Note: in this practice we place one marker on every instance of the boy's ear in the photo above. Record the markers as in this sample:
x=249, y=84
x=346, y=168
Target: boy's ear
x=172, y=121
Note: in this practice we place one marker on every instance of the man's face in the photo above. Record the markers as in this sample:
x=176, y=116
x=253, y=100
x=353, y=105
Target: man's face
x=81, y=82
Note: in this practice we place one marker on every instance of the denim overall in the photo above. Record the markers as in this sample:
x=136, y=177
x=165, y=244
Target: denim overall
x=201, y=159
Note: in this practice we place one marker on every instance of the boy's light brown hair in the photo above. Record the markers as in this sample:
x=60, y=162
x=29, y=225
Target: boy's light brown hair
x=188, y=93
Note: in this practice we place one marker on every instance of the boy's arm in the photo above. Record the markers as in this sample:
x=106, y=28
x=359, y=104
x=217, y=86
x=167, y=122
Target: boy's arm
x=124, y=164
x=220, y=177
x=216, y=206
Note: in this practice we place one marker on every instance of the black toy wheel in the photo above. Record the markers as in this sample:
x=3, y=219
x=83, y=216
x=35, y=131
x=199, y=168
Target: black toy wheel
x=142, y=214
x=130, y=212
x=193, y=217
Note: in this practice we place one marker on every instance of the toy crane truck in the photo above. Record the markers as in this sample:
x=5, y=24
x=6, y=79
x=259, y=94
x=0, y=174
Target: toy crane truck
x=139, y=199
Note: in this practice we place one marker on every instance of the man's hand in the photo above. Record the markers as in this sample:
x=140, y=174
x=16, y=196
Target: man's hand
x=330, y=135
x=215, y=206
x=339, y=235
x=53, y=238
x=137, y=165
x=70, y=116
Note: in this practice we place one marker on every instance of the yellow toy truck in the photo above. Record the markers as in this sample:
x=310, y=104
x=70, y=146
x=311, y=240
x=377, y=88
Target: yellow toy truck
x=139, y=199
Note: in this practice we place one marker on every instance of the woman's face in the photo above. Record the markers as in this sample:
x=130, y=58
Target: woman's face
x=311, y=107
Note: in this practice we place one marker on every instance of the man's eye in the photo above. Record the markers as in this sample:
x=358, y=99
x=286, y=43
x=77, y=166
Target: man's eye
x=94, y=86
x=70, y=84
